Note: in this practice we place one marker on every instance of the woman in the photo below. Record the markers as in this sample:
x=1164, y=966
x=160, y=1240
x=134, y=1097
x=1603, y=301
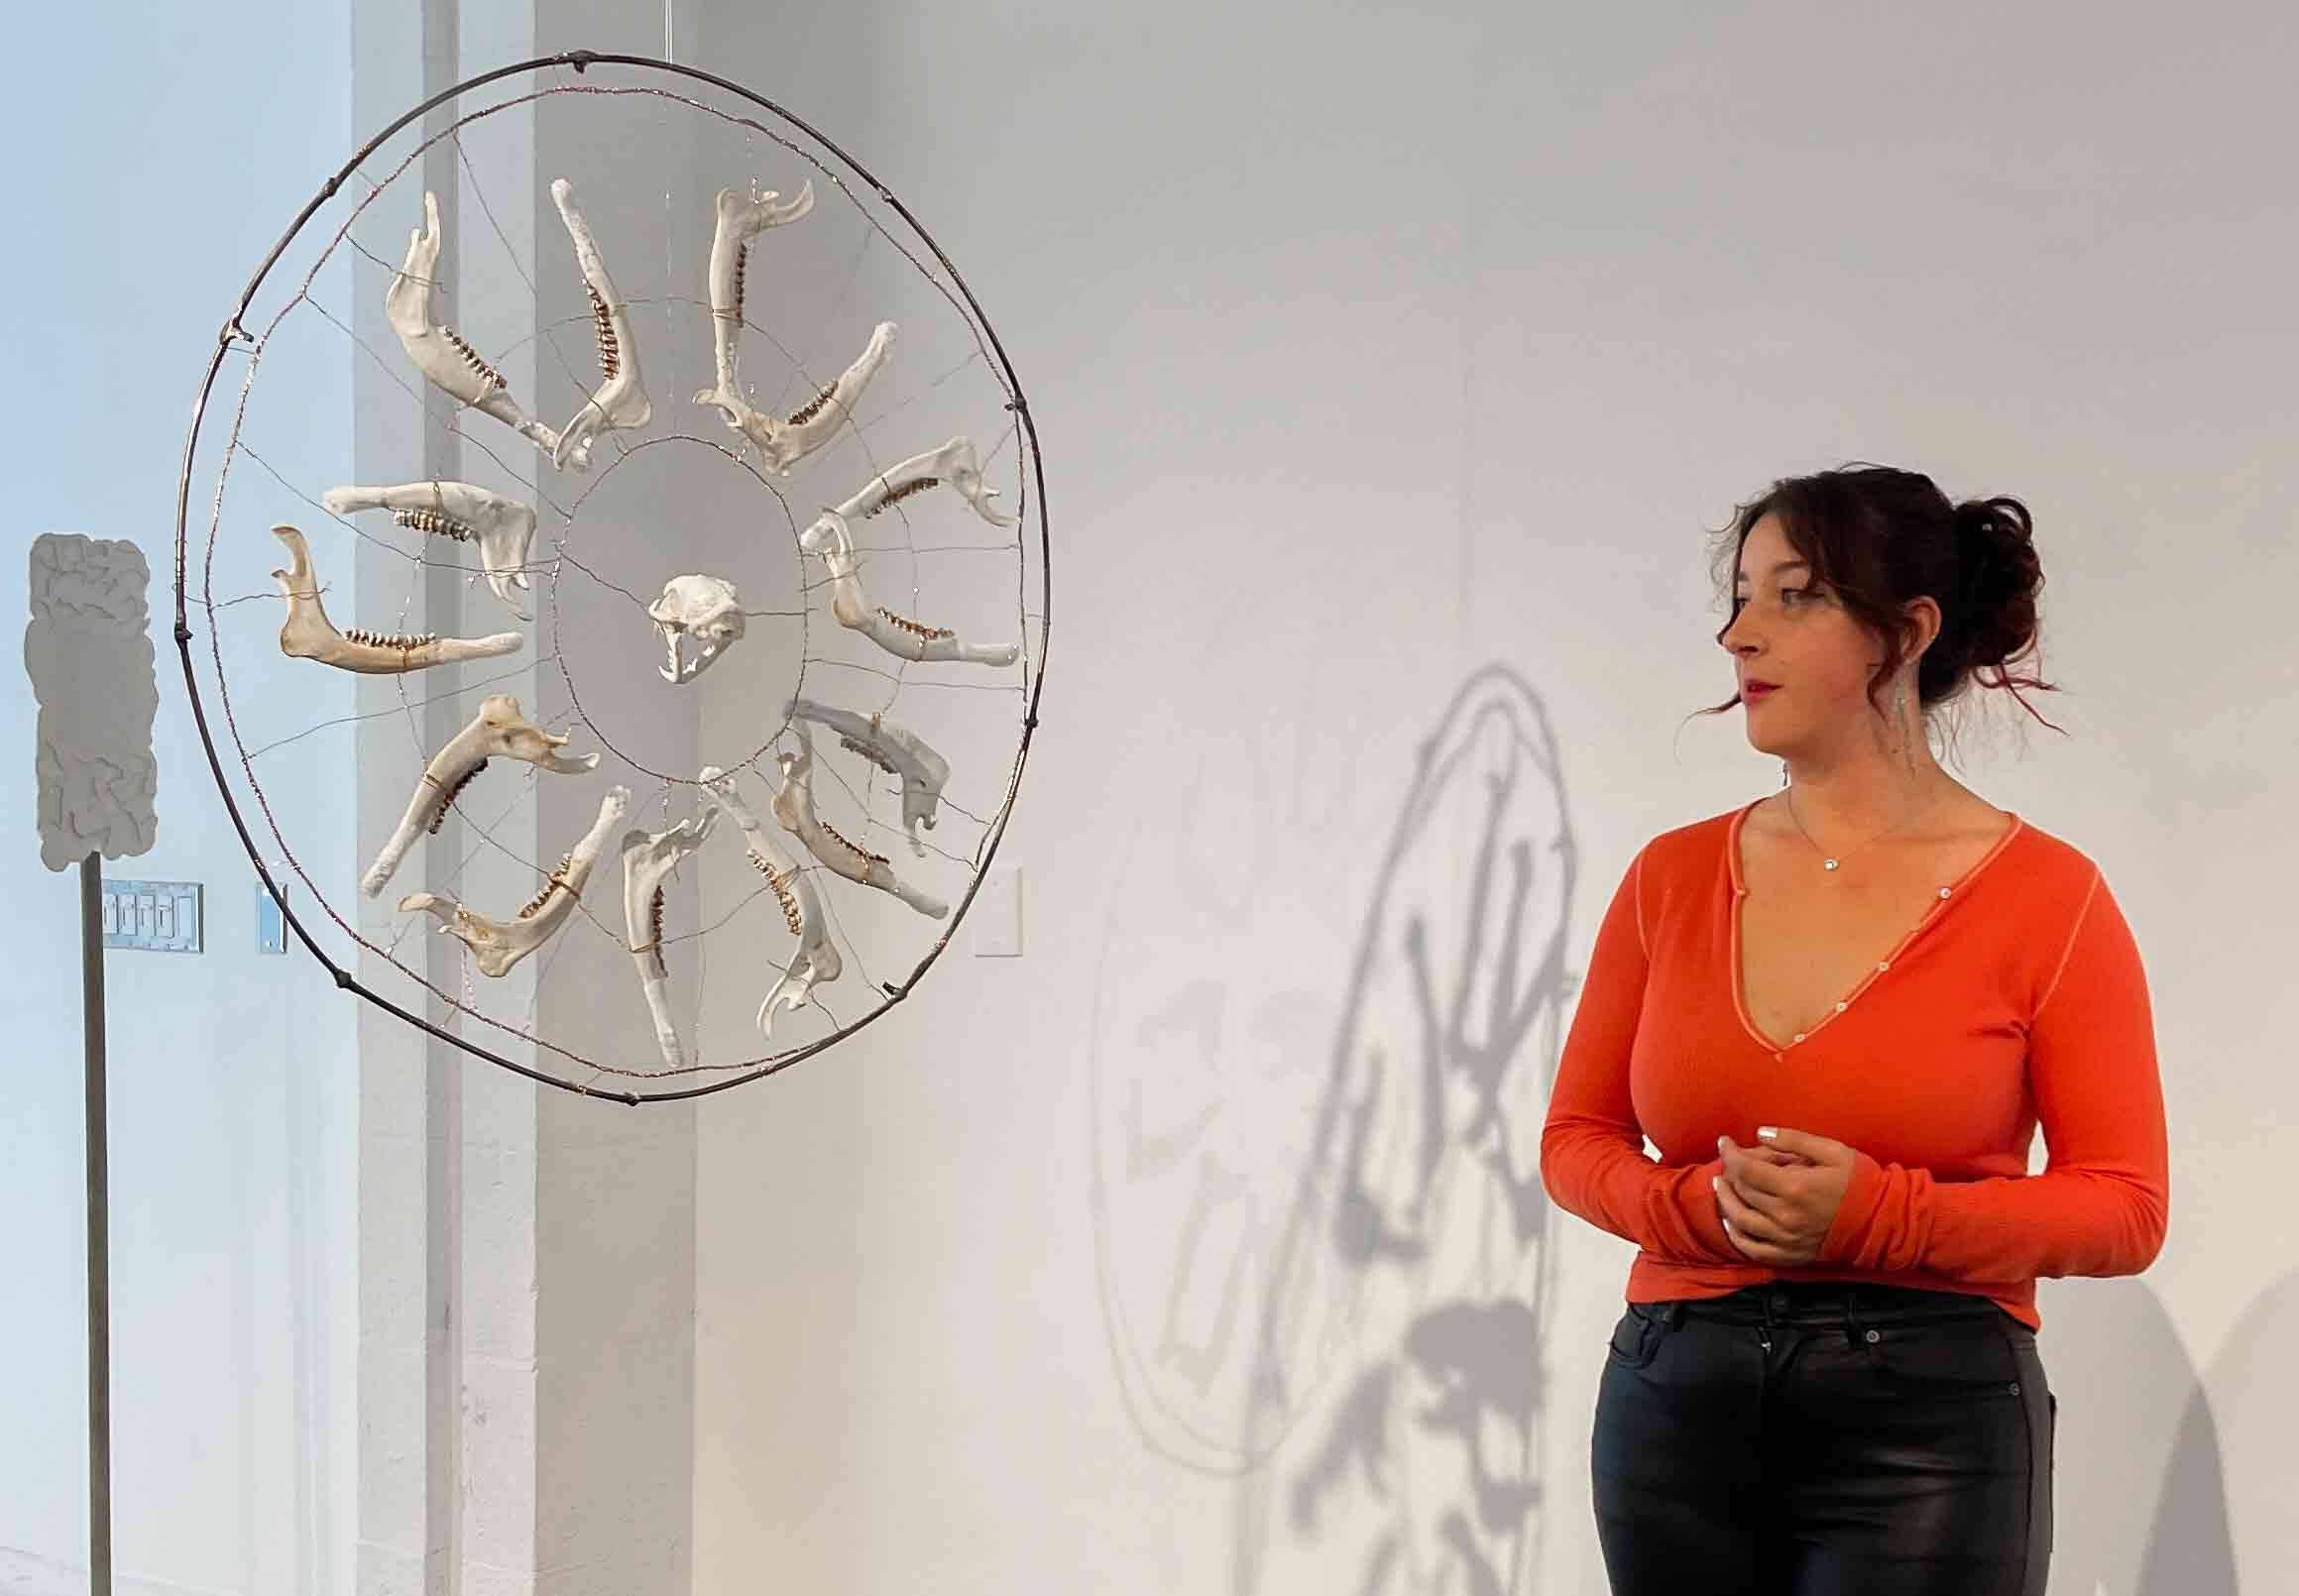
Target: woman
x=1841, y=1013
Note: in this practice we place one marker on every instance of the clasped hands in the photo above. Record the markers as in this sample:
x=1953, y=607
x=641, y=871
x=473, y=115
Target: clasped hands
x=1778, y=1199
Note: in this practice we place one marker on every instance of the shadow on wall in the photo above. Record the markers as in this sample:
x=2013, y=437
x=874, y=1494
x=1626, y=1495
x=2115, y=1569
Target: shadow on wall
x=1323, y=1248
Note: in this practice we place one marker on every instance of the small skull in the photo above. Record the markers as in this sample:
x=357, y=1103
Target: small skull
x=706, y=607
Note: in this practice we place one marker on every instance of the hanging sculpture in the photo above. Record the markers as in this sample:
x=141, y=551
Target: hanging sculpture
x=821, y=818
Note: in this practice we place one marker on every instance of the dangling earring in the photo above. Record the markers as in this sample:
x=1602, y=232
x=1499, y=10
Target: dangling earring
x=1783, y=773
x=1900, y=718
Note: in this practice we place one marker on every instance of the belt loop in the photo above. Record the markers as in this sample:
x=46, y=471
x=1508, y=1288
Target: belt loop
x=1851, y=1314
x=1675, y=1311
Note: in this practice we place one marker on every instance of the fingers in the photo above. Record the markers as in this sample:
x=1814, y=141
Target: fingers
x=1762, y=1180
x=1745, y=1220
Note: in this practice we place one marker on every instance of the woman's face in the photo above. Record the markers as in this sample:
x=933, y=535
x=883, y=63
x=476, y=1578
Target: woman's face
x=1789, y=630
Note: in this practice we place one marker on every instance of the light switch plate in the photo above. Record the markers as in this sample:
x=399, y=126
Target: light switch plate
x=153, y=916
x=271, y=925
x=996, y=915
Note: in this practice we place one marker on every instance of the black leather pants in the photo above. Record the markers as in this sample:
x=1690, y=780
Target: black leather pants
x=1822, y=1439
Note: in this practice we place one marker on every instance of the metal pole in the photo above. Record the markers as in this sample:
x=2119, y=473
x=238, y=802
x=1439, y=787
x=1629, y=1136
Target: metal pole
x=99, y=1250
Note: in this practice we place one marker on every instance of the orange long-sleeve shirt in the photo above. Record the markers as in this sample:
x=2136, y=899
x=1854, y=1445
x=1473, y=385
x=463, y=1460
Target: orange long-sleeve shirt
x=2019, y=1000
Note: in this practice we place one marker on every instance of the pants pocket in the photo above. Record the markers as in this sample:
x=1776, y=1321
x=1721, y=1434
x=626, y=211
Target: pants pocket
x=1636, y=1336
x=1947, y=1360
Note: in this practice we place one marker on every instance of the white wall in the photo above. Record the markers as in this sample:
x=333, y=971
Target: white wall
x=161, y=152
x=1370, y=351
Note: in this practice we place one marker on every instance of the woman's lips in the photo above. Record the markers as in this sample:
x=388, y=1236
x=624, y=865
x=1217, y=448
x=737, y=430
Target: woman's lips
x=1753, y=694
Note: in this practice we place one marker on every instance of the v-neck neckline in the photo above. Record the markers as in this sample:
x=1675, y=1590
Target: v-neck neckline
x=1929, y=918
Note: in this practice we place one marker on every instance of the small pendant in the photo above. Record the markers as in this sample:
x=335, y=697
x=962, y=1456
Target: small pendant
x=1831, y=864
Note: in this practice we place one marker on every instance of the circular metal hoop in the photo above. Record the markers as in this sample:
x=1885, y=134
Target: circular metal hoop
x=234, y=333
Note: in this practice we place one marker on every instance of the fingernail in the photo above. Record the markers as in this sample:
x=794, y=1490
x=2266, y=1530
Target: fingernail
x=1720, y=1144
x=1767, y=1132
x=1716, y=1183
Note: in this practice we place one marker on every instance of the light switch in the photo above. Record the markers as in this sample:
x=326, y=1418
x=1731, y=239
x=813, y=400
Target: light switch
x=153, y=916
x=271, y=925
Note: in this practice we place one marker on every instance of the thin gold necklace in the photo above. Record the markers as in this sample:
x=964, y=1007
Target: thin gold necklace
x=1833, y=862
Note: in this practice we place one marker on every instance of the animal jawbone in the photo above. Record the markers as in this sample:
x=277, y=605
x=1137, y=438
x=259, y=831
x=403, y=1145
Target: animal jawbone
x=619, y=401
x=309, y=634
x=498, y=730
x=445, y=357
x=499, y=944
x=499, y=527
x=817, y=957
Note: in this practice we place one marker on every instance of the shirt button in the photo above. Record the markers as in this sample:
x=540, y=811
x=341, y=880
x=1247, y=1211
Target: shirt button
x=1943, y=893
x=1884, y=964
x=1799, y=1036
x=1839, y=1008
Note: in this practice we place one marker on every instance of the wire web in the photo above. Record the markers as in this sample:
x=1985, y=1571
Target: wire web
x=599, y=556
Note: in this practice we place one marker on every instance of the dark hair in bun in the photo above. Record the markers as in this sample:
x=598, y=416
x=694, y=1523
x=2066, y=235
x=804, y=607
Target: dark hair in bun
x=1878, y=537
